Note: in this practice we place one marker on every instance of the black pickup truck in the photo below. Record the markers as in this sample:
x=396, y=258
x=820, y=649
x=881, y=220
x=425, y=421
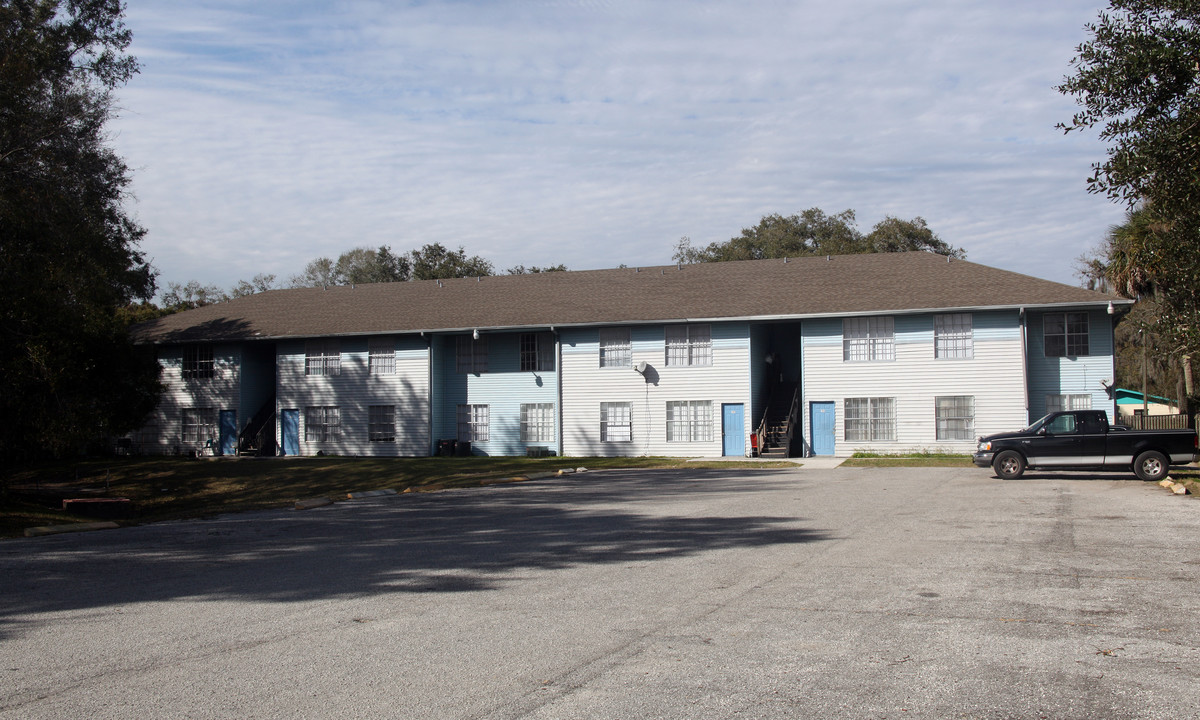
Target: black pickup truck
x=1083, y=440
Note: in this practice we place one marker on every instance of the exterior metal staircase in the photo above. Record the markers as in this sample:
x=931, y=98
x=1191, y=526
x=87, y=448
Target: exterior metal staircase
x=258, y=437
x=778, y=425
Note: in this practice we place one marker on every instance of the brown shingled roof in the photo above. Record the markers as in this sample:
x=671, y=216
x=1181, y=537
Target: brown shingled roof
x=799, y=287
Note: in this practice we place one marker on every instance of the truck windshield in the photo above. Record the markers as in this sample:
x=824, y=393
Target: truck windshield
x=1037, y=424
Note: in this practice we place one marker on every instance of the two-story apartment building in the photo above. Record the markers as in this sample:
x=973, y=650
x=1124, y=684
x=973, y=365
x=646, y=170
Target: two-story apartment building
x=822, y=355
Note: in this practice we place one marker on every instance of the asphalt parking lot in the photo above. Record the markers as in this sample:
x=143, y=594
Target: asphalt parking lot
x=859, y=593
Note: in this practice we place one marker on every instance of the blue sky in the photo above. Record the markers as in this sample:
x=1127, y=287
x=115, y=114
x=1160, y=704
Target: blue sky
x=597, y=132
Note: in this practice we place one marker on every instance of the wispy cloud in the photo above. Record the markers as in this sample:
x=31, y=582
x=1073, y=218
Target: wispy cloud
x=596, y=133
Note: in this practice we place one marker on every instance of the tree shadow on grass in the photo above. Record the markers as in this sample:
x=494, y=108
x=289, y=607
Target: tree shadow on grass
x=458, y=541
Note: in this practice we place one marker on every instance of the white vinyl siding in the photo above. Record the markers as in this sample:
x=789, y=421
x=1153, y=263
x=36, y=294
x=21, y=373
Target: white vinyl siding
x=995, y=377
x=688, y=345
x=955, y=416
x=616, y=422
x=868, y=339
x=218, y=385
x=689, y=421
x=870, y=419
x=382, y=356
x=616, y=349
x=953, y=337
x=537, y=422
x=355, y=390
x=726, y=379
x=322, y=357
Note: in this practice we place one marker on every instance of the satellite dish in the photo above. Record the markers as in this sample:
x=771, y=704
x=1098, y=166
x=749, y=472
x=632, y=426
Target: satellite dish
x=641, y=367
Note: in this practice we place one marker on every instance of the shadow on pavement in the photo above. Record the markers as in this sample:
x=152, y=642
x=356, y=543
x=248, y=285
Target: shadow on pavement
x=459, y=541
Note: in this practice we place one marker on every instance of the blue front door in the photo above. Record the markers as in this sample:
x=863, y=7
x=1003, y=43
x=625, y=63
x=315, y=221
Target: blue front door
x=229, y=432
x=291, y=432
x=733, y=429
x=823, y=428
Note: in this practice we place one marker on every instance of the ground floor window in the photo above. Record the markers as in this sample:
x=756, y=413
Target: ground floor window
x=870, y=419
x=1060, y=403
x=322, y=424
x=689, y=421
x=381, y=423
x=955, y=417
x=472, y=423
x=199, y=425
x=537, y=422
x=616, y=422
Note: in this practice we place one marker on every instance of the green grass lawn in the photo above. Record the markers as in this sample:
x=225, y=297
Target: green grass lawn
x=162, y=488
x=922, y=459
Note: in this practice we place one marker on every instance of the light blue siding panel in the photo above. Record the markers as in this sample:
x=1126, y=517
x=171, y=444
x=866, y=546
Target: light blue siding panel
x=1071, y=375
x=504, y=388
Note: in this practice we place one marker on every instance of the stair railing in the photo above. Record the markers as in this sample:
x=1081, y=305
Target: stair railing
x=792, y=421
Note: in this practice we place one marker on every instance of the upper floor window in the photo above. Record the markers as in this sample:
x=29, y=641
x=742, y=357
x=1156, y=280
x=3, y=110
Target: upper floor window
x=953, y=336
x=322, y=357
x=689, y=345
x=537, y=352
x=381, y=356
x=865, y=339
x=197, y=362
x=1066, y=334
x=616, y=349
x=471, y=355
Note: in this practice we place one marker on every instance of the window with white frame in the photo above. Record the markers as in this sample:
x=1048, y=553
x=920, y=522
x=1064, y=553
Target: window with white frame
x=616, y=348
x=688, y=345
x=381, y=423
x=471, y=355
x=322, y=423
x=870, y=419
x=322, y=357
x=953, y=336
x=472, y=423
x=537, y=422
x=537, y=352
x=199, y=424
x=689, y=421
x=955, y=415
x=1065, y=334
x=1069, y=401
x=868, y=339
x=197, y=362
x=381, y=356
x=616, y=422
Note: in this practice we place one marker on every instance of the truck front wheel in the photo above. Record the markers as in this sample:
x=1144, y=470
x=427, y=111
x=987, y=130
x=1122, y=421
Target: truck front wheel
x=1009, y=465
x=1151, y=466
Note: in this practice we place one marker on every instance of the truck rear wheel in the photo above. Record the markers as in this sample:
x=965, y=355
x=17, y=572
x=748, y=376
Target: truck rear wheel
x=1009, y=465
x=1151, y=466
